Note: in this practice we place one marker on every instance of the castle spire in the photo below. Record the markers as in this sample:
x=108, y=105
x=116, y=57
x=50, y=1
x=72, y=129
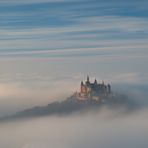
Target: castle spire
x=87, y=78
x=95, y=82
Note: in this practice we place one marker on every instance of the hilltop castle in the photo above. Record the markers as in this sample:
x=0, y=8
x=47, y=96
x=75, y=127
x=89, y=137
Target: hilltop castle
x=93, y=91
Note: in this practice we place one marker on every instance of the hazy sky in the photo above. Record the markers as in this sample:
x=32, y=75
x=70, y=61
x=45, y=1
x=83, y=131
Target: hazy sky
x=48, y=46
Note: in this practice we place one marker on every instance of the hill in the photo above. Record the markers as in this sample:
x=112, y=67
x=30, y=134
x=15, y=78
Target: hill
x=72, y=105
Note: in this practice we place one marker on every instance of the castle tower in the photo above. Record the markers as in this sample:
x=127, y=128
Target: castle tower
x=83, y=88
x=95, y=82
x=109, y=88
x=82, y=85
x=87, y=78
x=87, y=83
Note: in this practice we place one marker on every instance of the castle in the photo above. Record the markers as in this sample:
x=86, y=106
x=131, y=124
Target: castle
x=93, y=91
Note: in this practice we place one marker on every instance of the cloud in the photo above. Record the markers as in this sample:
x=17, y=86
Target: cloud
x=103, y=33
x=132, y=77
x=70, y=106
x=33, y=29
x=80, y=131
x=16, y=2
x=19, y=92
x=130, y=95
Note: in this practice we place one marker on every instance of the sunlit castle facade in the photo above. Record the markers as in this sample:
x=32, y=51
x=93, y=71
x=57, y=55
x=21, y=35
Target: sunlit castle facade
x=93, y=91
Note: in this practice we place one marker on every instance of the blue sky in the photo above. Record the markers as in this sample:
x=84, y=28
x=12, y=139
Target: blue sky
x=37, y=26
x=48, y=46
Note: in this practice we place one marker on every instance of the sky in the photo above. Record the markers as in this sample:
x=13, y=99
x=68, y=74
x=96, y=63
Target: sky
x=48, y=46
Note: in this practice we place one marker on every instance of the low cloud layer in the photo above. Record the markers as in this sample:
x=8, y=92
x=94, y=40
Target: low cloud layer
x=127, y=99
x=35, y=90
x=104, y=129
x=107, y=127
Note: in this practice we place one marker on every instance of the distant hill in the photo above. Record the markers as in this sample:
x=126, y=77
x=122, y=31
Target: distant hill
x=72, y=105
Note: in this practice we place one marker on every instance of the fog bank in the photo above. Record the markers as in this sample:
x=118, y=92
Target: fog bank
x=94, y=130
x=105, y=128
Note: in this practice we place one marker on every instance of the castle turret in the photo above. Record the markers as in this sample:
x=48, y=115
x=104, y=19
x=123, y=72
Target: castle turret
x=82, y=85
x=83, y=88
x=95, y=82
x=87, y=78
x=109, y=88
x=87, y=82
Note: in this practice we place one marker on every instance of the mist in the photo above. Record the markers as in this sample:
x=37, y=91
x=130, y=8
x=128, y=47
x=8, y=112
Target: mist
x=95, y=130
x=105, y=128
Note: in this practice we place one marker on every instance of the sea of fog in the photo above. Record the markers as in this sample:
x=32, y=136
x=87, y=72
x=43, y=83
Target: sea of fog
x=105, y=128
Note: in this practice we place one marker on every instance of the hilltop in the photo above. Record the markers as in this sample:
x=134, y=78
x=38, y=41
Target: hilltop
x=92, y=96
